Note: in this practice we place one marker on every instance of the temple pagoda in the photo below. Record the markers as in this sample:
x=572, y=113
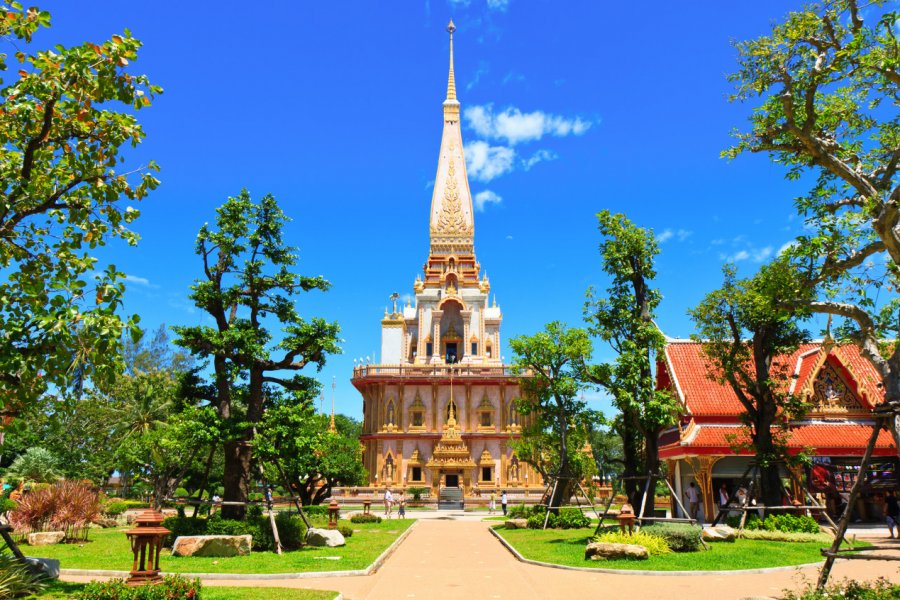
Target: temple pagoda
x=438, y=410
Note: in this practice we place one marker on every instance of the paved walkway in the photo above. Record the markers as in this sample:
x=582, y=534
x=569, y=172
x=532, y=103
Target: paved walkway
x=461, y=559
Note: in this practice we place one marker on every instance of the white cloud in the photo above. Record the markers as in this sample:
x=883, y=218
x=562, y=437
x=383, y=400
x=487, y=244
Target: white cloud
x=463, y=3
x=509, y=237
x=485, y=162
x=514, y=126
x=756, y=255
x=513, y=77
x=480, y=72
x=539, y=156
x=142, y=281
x=486, y=197
x=667, y=234
x=500, y=5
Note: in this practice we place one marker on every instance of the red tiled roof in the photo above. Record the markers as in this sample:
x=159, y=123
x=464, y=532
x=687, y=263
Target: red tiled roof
x=689, y=369
x=804, y=435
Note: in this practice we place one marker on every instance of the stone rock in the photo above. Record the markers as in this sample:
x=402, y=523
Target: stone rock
x=516, y=524
x=212, y=545
x=605, y=551
x=106, y=523
x=50, y=566
x=719, y=533
x=46, y=538
x=325, y=537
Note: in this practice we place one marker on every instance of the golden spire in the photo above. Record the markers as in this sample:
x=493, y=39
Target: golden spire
x=452, y=219
x=331, y=426
x=451, y=81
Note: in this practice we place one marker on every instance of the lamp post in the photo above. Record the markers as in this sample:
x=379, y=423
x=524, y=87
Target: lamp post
x=146, y=543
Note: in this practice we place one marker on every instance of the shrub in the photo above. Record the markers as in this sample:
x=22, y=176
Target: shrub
x=787, y=523
x=417, y=493
x=180, y=492
x=363, y=518
x=573, y=518
x=291, y=530
x=35, y=464
x=115, y=508
x=781, y=536
x=536, y=521
x=255, y=497
x=172, y=586
x=18, y=580
x=655, y=545
x=520, y=511
x=179, y=526
x=345, y=530
x=316, y=510
x=7, y=505
x=69, y=506
x=136, y=504
x=880, y=589
x=680, y=537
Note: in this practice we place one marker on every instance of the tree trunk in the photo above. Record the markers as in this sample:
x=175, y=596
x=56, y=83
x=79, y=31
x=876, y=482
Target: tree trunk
x=631, y=456
x=237, y=478
x=651, y=467
x=767, y=459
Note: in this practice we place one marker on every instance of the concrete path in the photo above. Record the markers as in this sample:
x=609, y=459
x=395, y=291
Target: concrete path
x=460, y=559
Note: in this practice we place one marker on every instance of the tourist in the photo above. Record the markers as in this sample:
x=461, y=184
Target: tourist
x=892, y=513
x=401, y=506
x=492, y=506
x=693, y=497
x=503, y=502
x=388, y=502
x=724, y=496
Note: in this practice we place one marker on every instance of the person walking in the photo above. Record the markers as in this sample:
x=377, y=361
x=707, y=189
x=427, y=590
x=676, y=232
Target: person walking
x=892, y=513
x=388, y=502
x=492, y=506
x=503, y=502
x=693, y=497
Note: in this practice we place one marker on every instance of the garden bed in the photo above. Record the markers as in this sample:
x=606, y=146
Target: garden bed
x=60, y=590
x=566, y=547
x=109, y=550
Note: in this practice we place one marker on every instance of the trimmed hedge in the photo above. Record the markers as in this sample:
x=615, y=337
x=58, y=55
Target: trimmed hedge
x=680, y=537
x=172, y=586
x=291, y=529
x=785, y=523
x=568, y=518
x=365, y=518
x=115, y=508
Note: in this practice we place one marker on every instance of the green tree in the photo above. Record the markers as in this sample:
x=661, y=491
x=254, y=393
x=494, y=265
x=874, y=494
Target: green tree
x=63, y=123
x=298, y=449
x=163, y=455
x=823, y=83
x=746, y=331
x=625, y=320
x=249, y=282
x=553, y=362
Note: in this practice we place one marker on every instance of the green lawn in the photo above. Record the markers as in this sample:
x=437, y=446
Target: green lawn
x=109, y=549
x=566, y=547
x=60, y=590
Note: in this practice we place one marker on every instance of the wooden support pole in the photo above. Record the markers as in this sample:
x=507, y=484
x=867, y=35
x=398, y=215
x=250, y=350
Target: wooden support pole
x=848, y=510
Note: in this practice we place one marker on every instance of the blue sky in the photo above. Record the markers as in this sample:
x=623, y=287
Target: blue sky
x=335, y=108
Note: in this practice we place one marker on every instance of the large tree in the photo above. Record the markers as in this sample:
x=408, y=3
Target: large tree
x=624, y=319
x=747, y=331
x=65, y=116
x=553, y=361
x=825, y=85
x=249, y=282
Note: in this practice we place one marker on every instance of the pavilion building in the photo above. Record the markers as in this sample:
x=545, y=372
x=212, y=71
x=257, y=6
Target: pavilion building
x=710, y=445
x=438, y=410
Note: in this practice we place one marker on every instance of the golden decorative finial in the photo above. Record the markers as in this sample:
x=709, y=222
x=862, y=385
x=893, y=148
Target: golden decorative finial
x=451, y=81
x=828, y=342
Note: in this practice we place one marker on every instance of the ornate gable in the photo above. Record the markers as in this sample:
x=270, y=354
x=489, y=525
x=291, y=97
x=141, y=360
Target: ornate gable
x=831, y=394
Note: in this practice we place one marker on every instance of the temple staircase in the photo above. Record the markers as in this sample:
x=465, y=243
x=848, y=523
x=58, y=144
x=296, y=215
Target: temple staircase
x=451, y=498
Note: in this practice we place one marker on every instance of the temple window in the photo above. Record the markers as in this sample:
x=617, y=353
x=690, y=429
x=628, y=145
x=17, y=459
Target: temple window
x=485, y=419
x=417, y=473
x=486, y=474
x=417, y=413
x=487, y=350
x=429, y=349
x=474, y=348
x=485, y=412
